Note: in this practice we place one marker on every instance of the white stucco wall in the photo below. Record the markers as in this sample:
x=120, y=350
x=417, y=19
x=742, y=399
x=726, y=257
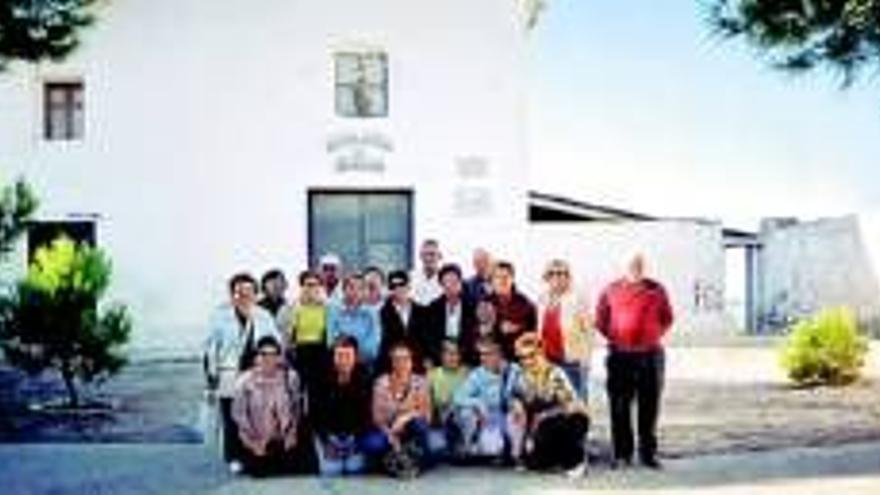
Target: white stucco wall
x=206, y=122
x=686, y=256
x=815, y=264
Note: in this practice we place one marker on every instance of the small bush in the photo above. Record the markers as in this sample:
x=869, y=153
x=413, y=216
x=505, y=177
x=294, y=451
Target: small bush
x=826, y=349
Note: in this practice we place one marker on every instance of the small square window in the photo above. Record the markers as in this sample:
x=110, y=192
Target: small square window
x=361, y=84
x=63, y=118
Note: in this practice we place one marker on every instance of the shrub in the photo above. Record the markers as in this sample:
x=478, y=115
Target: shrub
x=826, y=349
x=52, y=319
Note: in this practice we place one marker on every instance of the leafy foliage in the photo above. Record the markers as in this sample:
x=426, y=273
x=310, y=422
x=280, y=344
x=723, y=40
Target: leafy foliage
x=827, y=349
x=35, y=30
x=801, y=35
x=52, y=318
x=17, y=204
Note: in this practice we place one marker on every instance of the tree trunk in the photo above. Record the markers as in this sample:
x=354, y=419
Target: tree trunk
x=70, y=385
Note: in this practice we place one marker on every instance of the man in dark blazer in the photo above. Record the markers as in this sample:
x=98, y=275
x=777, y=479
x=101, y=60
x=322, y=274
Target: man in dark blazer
x=403, y=319
x=453, y=316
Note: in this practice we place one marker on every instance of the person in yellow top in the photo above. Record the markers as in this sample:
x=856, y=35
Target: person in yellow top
x=307, y=330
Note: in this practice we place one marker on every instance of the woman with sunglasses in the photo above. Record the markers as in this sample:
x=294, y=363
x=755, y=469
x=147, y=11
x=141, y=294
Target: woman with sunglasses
x=564, y=326
x=546, y=406
x=267, y=408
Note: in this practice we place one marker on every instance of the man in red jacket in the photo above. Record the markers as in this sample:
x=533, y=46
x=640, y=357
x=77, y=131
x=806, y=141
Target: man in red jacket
x=633, y=314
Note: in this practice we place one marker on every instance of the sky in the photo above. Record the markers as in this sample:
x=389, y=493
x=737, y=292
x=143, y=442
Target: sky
x=636, y=105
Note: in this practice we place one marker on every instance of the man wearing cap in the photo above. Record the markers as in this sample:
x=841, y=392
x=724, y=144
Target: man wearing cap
x=403, y=319
x=330, y=267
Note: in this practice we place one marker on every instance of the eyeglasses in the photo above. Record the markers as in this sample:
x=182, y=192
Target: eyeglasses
x=268, y=353
x=525, y=356
x=311, y=284
x=557, y=273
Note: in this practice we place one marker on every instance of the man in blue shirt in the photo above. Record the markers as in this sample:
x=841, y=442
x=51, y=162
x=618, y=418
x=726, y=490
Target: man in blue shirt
x=351, y=317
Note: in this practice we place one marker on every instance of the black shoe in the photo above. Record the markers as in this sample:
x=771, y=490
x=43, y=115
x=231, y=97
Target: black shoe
x=652, y=463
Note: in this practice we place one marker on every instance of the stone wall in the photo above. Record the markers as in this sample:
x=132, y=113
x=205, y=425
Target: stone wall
x=806, y=266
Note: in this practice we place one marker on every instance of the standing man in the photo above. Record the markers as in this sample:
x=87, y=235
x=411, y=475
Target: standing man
x=425, y=280
x=403, y=320
x=478, y=286
x=515, y=314
x=230, y=349
x=453, y=317
x=351, y=317
x=634, y=314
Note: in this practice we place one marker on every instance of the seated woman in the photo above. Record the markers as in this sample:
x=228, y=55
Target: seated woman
x=546, y=405
x=402, y=414
x=444, y=380
x=482, y=407
x=267, y=410
x=342, y=411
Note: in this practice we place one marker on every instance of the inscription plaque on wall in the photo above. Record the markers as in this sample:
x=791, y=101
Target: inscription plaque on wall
x=359, y=151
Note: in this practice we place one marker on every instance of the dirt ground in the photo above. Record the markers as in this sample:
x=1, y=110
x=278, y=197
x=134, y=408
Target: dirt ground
x=718, y=399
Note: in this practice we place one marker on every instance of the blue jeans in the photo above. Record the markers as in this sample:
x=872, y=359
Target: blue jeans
x=579, y=376
x=376, y=443
x=350, y=457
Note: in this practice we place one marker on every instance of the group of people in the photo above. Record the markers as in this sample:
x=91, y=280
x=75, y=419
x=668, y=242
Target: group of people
x=368, y=371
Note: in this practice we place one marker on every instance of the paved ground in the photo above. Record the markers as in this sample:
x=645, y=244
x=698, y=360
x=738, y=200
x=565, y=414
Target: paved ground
x=187, y=469
x=730, y=425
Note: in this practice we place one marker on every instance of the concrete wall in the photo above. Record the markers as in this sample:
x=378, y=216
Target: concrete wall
x=686, y=256
x=806, y=266
x=207, y=122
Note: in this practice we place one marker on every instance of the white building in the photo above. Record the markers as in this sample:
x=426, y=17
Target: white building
x=196, y=138
x=192, y=139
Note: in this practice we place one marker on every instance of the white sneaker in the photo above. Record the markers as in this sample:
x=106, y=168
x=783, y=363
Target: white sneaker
x=235, y=467
x=577, y=472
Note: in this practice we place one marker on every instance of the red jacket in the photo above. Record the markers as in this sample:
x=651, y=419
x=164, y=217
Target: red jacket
x=634, y=316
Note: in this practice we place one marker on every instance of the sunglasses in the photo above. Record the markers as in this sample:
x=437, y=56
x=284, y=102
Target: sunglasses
x=526, y=356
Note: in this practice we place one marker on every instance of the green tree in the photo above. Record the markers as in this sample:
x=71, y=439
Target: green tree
x=799, y=36
x=36, y=30
x=52, y=319
x=17, y=204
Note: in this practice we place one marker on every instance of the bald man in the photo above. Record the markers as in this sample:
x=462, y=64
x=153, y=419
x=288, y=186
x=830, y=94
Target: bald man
x=634, y=314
